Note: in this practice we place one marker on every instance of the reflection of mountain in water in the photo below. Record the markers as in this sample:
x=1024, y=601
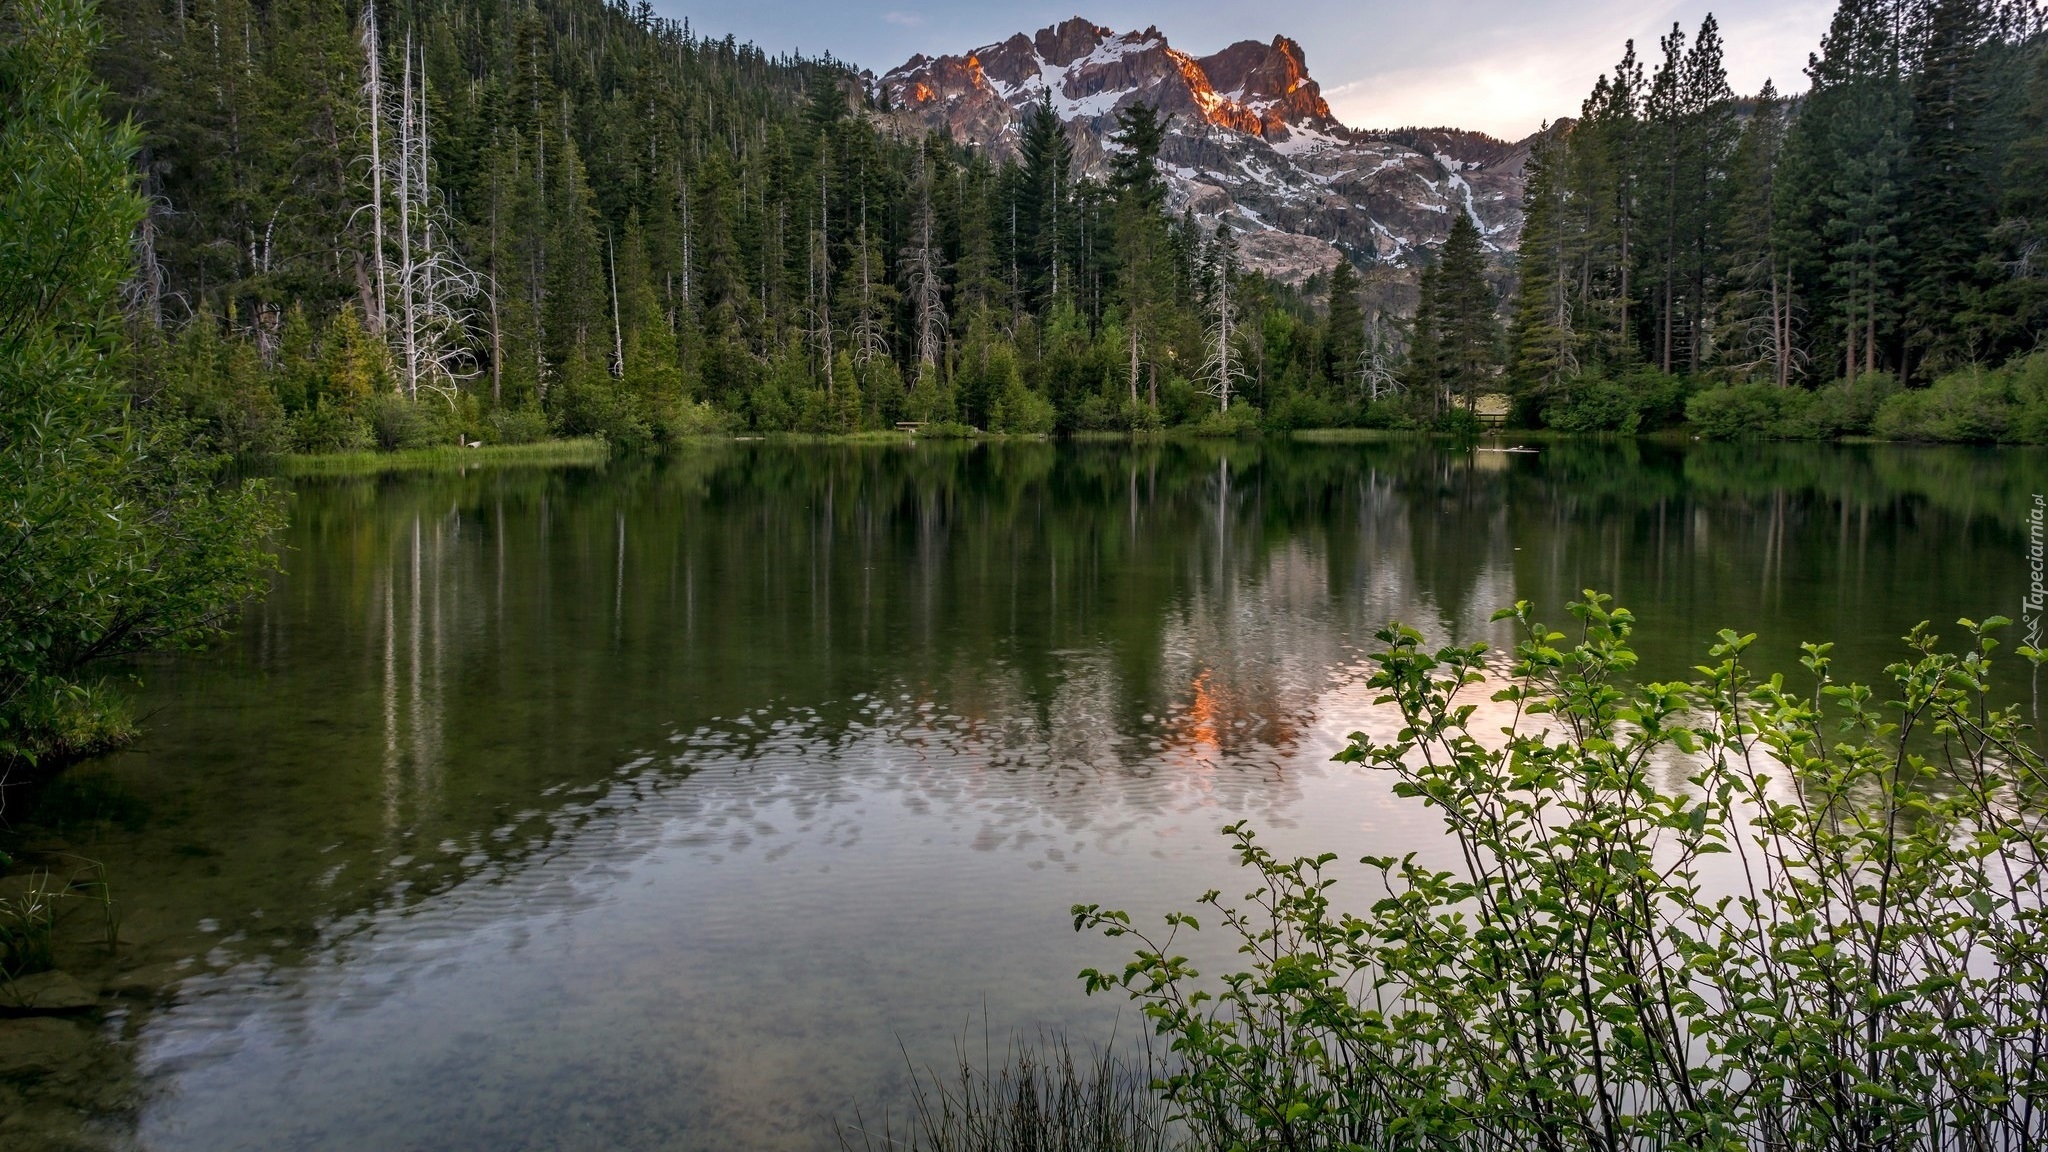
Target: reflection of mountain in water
x=726, y=772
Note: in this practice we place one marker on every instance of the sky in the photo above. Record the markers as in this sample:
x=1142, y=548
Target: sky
x=1499, y=66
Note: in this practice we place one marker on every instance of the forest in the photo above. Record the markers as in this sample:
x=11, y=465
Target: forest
x=403, y=224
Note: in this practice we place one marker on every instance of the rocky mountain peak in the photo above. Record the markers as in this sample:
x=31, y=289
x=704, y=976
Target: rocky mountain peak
x=1271, y=78
x=1249, y=138
x=1069, y=40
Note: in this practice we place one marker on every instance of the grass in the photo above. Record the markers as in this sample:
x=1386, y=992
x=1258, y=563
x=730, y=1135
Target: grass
x=1040, y=1099
x=547, y=453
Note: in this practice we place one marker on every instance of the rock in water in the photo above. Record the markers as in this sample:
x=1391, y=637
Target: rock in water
x=45, y=992
x=40, y=1046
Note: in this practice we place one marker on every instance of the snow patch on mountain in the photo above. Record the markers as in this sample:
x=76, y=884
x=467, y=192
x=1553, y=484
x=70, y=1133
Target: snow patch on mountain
x=1248, y=138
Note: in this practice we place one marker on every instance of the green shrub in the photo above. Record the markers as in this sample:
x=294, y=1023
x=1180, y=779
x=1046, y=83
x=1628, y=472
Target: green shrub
x=1637, y=401
x=1974, y=405
x=1393, y=413
x=1876, y=976
x=326, y=427
x=121, y=537
x=1095, y=413
x=398, y=423
x=1019, y=411
x=1140, y=416
x=1180, y=402
x=1304, y=410
x=1849, y=408
x=69, y=720
x=1458, y=422
x=1754, y=410
x=686, y=419
x=598, y=407
x=1742, y=411
x=517, y=426
x=1593, y=404
x=1241, y=420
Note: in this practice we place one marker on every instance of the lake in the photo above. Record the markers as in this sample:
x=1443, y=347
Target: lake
x=690, y=803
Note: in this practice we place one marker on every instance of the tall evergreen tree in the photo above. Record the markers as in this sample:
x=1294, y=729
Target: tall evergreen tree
x=1467, y=331
x=1542, y=339
x=1951, y=186
x=1045, y=214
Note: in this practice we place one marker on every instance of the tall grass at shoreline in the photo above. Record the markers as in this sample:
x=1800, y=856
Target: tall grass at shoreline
x=553, y=453
x=1040, y=1098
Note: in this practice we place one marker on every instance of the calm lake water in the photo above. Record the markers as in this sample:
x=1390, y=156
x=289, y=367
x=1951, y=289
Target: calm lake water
x=681, y=805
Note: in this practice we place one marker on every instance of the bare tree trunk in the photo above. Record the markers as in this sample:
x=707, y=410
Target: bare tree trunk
x=1134, y=359
x=373, y=90
x=925, y=283
x=497, y=330
x=405, y=255
x=824, y=267
x=618, y=331
x=149, y=274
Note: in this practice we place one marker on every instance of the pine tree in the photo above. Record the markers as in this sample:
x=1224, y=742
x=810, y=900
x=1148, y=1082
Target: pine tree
x=1425, y=369
x=1754, y=324
x=1343, y=335
x=1144, y=256
x=1951, y=186
x=1844, y=158
x=2016, y=308
x=1466, y=330
x=1542, y=340
x=1043, y=194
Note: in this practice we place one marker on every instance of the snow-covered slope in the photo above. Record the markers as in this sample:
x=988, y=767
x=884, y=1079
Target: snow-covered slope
x=1249, y=137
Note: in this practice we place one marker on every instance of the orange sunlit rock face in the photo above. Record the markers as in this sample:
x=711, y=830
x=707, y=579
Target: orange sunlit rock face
x=1245, y=128
x=1214, y=108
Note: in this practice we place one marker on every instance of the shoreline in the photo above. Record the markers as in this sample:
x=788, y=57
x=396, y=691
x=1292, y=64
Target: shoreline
x=595, y=452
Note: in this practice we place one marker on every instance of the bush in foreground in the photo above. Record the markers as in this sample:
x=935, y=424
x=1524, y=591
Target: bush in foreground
x=1831, y=938
x=117, y=533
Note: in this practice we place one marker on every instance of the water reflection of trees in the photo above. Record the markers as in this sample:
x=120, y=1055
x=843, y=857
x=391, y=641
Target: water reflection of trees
x=466, y=642
x=456, y=666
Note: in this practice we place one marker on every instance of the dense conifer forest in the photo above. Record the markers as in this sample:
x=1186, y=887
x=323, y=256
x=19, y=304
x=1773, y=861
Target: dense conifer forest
x=1810, y=255
x=399, y=224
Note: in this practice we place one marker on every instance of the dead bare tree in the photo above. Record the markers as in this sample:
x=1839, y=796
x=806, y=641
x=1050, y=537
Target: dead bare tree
x=870, y=321
x=374, y=100
x=1221, y=369
x=1378, y=360
x=923, y=271
x=433, y=284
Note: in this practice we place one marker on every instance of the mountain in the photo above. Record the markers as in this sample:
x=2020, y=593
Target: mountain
x=1250, y=137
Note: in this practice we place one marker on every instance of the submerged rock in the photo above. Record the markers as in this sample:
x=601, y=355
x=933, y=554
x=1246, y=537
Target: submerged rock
x=45, y=992
x=39, y=1046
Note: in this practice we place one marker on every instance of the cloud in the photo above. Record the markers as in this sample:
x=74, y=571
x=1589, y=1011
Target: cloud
x=1510, y=85
x=903, y=19
x=1505, y=97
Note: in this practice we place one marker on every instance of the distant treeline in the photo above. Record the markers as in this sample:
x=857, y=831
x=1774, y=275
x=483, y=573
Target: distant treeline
x=1887, y=226
x=391, y=224
x=566, y=217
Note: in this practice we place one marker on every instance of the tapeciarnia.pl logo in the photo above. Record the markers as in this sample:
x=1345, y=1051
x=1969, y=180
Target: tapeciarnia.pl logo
x=2037, y=570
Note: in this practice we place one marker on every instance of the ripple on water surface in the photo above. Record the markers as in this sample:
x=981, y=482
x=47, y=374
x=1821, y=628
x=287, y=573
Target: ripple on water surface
x=675, y=806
